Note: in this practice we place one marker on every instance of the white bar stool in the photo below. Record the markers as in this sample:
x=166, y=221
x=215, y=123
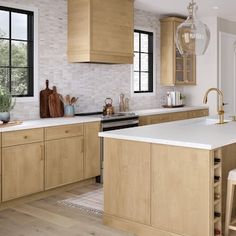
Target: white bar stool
x=229, y=201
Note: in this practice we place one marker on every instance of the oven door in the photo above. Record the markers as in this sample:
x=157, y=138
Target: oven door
x=121, y=124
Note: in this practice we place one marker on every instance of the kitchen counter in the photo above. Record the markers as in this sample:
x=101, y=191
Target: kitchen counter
x=161, y=179
x=201, y=133
x=156, y=111
x=41, y=123
x=47, y=122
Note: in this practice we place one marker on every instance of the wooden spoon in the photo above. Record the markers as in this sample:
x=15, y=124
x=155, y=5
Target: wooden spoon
x=73, y=100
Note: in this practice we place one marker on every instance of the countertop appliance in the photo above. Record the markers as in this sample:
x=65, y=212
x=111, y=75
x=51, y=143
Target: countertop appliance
x=115, y=121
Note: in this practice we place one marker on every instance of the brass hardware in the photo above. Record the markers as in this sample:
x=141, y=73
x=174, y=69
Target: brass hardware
x=25, y=137
x=220, y=108
x=67, y=131
x=42, y=152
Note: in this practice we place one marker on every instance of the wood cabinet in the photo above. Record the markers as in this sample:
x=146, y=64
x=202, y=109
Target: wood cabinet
x=100, y=31
x=91, y=150
x=64, y=155
x=174, y=188
x=22, y=170
x=173, y=167
x=34, y=160
x=127, y=180
x=64, y=161
x=22, y=163
x=175, y=69
x=160, y=118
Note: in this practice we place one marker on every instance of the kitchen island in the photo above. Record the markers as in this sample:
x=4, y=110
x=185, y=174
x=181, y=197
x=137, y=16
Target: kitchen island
x=168, y=179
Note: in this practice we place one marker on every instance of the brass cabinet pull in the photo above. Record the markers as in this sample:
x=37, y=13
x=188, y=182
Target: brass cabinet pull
x=42, y=152
x=25, y=137
x=67, y=131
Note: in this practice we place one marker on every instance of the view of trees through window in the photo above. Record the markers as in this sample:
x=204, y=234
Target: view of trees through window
x=16, y=51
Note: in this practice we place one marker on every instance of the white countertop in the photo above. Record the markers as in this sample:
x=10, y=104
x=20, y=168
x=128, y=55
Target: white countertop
x=48, y=122
x=41, y=123
x=200, y=133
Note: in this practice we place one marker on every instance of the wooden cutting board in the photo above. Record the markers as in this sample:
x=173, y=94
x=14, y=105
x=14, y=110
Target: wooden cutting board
x=44, y=108
x=56, y=107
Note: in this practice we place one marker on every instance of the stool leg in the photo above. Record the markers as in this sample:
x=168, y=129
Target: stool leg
x=229, y=202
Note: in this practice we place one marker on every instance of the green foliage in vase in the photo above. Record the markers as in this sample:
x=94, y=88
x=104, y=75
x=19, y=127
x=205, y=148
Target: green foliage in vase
x=7, y=103
x=19, y=75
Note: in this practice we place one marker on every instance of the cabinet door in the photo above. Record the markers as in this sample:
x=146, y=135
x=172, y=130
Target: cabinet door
x=92, y=150
x=181, y=189
x=64, y=161
x=127, y=180
x=190, y=70
x=22, y=170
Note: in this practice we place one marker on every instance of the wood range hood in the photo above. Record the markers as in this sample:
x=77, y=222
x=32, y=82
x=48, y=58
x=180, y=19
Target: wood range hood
x=100, y=31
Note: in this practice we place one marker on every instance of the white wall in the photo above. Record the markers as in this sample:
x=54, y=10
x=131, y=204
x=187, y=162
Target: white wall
x=92, y=83
x=207, y=71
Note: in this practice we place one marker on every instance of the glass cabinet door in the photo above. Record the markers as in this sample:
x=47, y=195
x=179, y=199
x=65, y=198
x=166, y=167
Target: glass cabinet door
x=189, y=65
x=179, y=67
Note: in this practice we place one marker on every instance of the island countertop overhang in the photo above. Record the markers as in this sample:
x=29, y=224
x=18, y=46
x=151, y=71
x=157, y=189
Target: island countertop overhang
x=200, y=133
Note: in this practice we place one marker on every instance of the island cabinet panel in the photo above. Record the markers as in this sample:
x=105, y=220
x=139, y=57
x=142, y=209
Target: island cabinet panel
x=64, y=161
x=181, y=190
x=127, y=180
x=22, y=170
x=91, y=150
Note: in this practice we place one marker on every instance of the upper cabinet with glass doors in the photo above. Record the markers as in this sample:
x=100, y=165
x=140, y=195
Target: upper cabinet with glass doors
x=175, y=69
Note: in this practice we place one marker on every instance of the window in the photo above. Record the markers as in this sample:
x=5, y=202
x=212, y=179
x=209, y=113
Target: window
x=17, y=51
x=143, y=62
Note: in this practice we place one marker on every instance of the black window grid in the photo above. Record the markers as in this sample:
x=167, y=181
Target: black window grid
x=30, y=50
x=150, y=61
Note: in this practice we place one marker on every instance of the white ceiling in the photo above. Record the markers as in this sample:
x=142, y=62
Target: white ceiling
x=227, y=8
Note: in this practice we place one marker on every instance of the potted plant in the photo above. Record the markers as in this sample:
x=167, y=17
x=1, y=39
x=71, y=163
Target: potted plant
x=6, y=105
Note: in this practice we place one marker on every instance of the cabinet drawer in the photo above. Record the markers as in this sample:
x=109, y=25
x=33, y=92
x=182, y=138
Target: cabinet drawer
x=64, y=131
x=22, y=137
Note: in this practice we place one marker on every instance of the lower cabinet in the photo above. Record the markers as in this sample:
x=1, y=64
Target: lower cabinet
x=127, y=174
x=22, y=170
x=34, y=160
x=91, y=150
x=64, y=161
x=160, y=118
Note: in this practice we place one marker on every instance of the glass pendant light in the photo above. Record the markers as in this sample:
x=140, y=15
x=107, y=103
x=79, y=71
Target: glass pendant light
x=192, y=36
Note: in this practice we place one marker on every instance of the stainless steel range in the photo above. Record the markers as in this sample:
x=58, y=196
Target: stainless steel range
x=112, y=122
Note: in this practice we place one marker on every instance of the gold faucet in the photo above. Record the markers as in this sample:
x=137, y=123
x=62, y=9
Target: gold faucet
x=220, y=108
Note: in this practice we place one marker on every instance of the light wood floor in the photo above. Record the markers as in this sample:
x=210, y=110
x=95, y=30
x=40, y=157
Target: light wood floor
x=45, y=217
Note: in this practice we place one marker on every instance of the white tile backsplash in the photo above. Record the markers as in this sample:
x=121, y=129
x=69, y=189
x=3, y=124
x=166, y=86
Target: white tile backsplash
x=92, y=83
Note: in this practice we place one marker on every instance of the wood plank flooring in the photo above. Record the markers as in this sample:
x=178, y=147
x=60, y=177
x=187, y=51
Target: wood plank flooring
x=45, y=217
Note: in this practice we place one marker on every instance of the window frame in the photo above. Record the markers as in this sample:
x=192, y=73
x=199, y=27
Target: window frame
x=153, y=78
x=21, y=8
